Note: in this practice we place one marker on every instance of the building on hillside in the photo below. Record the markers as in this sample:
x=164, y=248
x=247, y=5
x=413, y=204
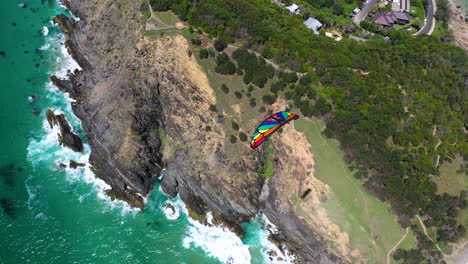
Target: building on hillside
x=294, y=9
x=390, y=18
x=401, y=5
x=314, y=24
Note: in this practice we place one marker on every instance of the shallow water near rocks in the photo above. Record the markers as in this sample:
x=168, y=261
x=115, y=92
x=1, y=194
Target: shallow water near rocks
x=51, y=214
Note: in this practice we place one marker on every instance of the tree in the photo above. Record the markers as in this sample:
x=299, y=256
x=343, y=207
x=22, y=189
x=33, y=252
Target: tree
x=242, y=137
x=225, y=88
x=213, y=108
x=195, y=41
x=233, y=139
x=235, y=126
x=219, y=44
x=224, y=65
x=269, y=99
x=238, y=94
x=322, y=106
x=204, y=54
x=252, y=102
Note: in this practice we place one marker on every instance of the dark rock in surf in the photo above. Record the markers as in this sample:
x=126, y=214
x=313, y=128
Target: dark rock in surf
x=8, y=174
x=73, y=164
x=8, y=207
x=66, y=137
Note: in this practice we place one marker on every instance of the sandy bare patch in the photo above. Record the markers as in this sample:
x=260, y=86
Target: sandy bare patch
x=296, y=179
x=236, y=108
x=279, y=105
x=179, y=25
x=173, y=52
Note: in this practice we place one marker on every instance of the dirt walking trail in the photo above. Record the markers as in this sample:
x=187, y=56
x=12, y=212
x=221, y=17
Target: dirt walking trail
x=390, y=252
x=425, y=232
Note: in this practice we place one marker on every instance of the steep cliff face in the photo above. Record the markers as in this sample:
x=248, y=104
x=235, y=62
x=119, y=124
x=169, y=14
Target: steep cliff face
x=144, y=105
x=116, y=93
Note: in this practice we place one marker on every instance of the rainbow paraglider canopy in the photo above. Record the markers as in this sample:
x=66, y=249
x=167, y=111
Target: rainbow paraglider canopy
x=269, y=126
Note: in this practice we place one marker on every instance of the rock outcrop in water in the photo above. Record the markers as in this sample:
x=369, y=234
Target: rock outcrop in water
x=144, y=106
x=66, y=137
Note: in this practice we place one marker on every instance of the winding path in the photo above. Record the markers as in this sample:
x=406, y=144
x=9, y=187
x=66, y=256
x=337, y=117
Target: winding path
x=361, y=15
x=429, y=21
x=425, y=232
x=390, y=252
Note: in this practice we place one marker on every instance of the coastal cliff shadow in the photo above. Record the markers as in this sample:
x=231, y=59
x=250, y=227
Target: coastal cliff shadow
x=8, y=207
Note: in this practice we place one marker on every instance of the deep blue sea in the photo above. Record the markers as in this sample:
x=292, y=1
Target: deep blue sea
x=54, y=215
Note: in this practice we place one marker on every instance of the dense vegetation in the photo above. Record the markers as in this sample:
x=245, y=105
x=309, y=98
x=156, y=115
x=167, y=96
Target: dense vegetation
x=255, y=69
x=398, y=108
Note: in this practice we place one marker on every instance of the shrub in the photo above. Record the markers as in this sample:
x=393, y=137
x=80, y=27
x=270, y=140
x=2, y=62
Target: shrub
x=224, y=65
x=233, y=139
x=269, y=99
x=196, y=41
x=239, y=72
x=213, y=108
x=235, y=126
x=289, y=77
x=252, y=102
x=220, y=44
x=242, y=137
x=207, y=128
x=322, y=106
x=250, y=88
x=238, y=94
x=225, y=88
x=204, y=54
x=262, y=109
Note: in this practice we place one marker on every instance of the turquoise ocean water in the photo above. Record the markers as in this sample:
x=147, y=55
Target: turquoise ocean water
x=54, y=215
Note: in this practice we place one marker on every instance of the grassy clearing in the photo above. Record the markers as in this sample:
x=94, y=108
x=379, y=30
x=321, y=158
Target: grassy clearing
x=453, y=183
x=159, y=31
x=449, y=180
x=371, y=225
x=409, y=241
x=167, y=17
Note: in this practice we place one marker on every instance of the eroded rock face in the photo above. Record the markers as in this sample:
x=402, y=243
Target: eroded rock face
x=144, y=105
x=116, y=95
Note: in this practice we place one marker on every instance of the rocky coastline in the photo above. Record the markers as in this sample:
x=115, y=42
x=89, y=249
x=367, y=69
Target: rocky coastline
x=142, y=112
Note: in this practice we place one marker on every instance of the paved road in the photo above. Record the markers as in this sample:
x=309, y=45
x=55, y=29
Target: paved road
x=361, y=15
x=429, y=22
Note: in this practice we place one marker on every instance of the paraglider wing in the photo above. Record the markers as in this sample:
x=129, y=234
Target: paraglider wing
x=269, y=126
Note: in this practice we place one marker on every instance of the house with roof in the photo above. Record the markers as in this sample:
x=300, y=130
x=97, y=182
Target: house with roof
x=390, y=18
x=314, y=24
x=295, y=9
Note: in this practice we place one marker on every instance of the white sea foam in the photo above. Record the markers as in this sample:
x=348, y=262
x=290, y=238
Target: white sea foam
x=171, y=210
x=46, y=147
x=282, y=256
x=44, y=47
x=217, y=241
x=45, y=31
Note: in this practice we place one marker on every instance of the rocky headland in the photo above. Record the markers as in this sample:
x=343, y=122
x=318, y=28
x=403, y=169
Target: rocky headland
x=144, y=105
